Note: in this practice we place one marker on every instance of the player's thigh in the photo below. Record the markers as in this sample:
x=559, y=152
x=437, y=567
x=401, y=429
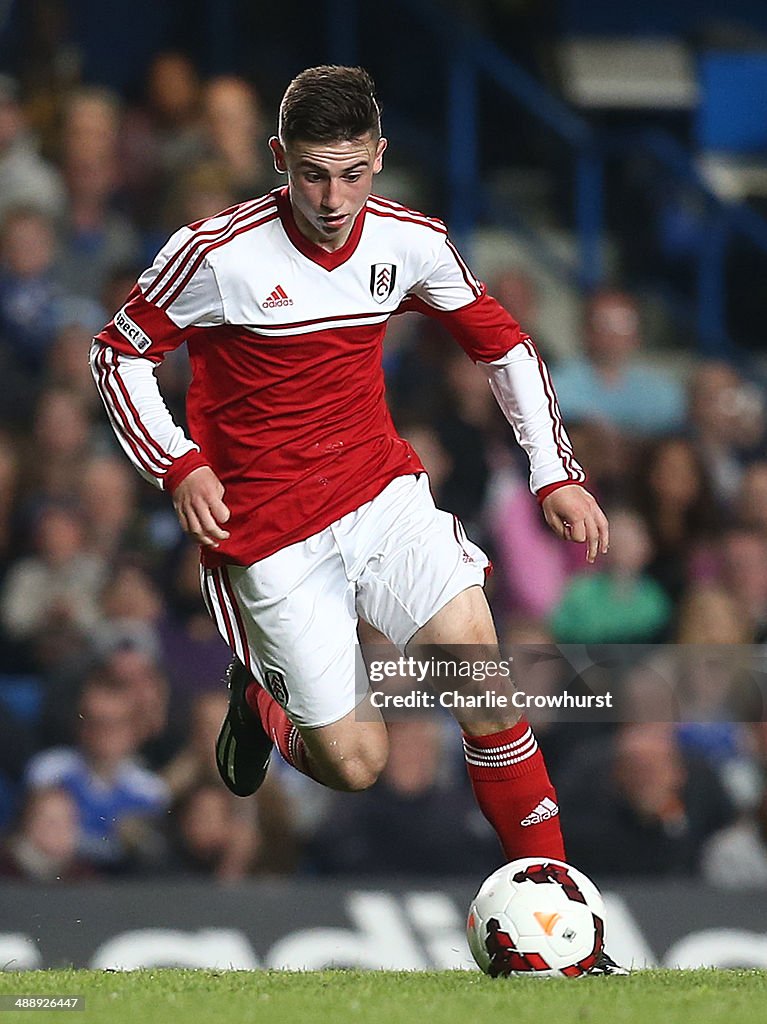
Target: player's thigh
x=465, y=619
x=421, y=562
x=462, y=637
x=290, y=618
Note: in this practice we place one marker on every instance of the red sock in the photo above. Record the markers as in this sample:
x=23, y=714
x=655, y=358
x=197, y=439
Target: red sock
x=276, y=723
x=514, y=791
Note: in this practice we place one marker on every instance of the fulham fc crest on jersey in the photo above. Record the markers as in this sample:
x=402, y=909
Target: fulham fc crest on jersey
x=382, y=278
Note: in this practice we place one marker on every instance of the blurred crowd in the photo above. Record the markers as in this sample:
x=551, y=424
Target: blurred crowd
x=111, y=672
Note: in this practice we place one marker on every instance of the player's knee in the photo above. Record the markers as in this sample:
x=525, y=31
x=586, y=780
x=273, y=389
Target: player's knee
x=354, y=774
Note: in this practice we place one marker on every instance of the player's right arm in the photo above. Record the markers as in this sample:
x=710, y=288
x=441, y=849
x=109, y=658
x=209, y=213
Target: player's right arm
x=176, y=293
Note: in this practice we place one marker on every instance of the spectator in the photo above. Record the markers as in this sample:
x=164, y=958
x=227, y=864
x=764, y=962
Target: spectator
x=195, y=763
x=95, y=238
x=131, y=604
x=203, y=191
x=206, y=836
x=727, y=415
x=414, y=822
x=162, y=137
x=91, y=123
x=709, y=615
x=119, y=802
x=267, y=823
x=9, y=478
x=719, y=698
x=61, y=434
x=119, y=285
x=436, y=459
x=681, y=510
x=133, y=668
x=61, y=581
x=620, y=604
x=751, y=503
x=613, y=457
x=195, y=655
x=736, y=858
x=234, y=135
x=44, y=847
x=29, y=291
x=25, y=178
x=107, y=503
x=520, y=538
x=467, y=426
x=112, y=658
x=637, y=805
x=67, y=360
x=613, y=383
x=745, y=576
x=518, y=293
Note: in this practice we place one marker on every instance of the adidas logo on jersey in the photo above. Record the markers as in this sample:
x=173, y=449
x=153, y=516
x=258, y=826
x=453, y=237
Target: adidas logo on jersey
x=546, y=809
x=279, y=297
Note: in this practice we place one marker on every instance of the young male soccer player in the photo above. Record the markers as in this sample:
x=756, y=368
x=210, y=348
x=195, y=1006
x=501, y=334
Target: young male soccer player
x=311, y=512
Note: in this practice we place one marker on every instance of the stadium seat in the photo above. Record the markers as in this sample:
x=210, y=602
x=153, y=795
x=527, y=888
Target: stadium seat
x=22, y=695
x=628, y=73
x=730, y=126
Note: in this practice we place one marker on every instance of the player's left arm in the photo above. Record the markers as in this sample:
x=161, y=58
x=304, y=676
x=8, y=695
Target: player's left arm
x=522, y=386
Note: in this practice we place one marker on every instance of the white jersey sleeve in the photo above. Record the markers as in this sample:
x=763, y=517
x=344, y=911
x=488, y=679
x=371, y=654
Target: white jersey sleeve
x=522, y=386
x=447, y=283
x=181, y=280
x=145, y=429
x=177, y=293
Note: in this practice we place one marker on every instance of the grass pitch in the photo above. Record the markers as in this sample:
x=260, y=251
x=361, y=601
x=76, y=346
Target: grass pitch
x=384, y=997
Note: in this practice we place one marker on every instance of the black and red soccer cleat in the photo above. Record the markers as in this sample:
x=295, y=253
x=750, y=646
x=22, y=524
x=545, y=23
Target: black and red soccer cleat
x=606, y=965
x=243, y=748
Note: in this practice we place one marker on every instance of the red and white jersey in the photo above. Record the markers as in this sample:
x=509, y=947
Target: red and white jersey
x=287, y=401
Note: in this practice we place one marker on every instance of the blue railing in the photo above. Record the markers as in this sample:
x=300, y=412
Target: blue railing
x=471, y=59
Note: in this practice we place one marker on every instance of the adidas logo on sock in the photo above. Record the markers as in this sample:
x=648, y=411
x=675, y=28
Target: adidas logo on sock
x=546, y=809
x=279, y=297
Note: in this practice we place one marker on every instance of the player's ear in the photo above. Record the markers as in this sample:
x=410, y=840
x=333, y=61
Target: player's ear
x=278, y=153
x=378, y=161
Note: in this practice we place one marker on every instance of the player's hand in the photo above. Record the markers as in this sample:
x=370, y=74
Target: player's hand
x=573, y=514
x=199, y=504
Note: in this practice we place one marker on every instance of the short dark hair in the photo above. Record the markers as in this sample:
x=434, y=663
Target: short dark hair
x=330, y=103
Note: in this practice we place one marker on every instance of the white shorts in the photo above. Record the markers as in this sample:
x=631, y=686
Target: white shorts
x=292, y=617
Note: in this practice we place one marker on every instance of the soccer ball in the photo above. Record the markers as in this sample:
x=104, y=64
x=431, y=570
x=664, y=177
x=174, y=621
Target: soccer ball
x=536, y=917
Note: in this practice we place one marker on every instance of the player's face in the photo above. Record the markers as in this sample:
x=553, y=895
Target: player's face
x=329, y=183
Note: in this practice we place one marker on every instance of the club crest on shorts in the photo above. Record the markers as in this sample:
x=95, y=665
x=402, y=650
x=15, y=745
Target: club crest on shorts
x=382, y=278
x=275, y=684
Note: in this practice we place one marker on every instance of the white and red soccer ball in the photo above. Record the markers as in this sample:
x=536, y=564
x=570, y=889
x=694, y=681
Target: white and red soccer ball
x=536, y=917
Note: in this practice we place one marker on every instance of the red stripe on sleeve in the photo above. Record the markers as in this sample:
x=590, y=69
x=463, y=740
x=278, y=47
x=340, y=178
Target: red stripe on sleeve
x=556, y=418
x=120, y=421
x=163, y=458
